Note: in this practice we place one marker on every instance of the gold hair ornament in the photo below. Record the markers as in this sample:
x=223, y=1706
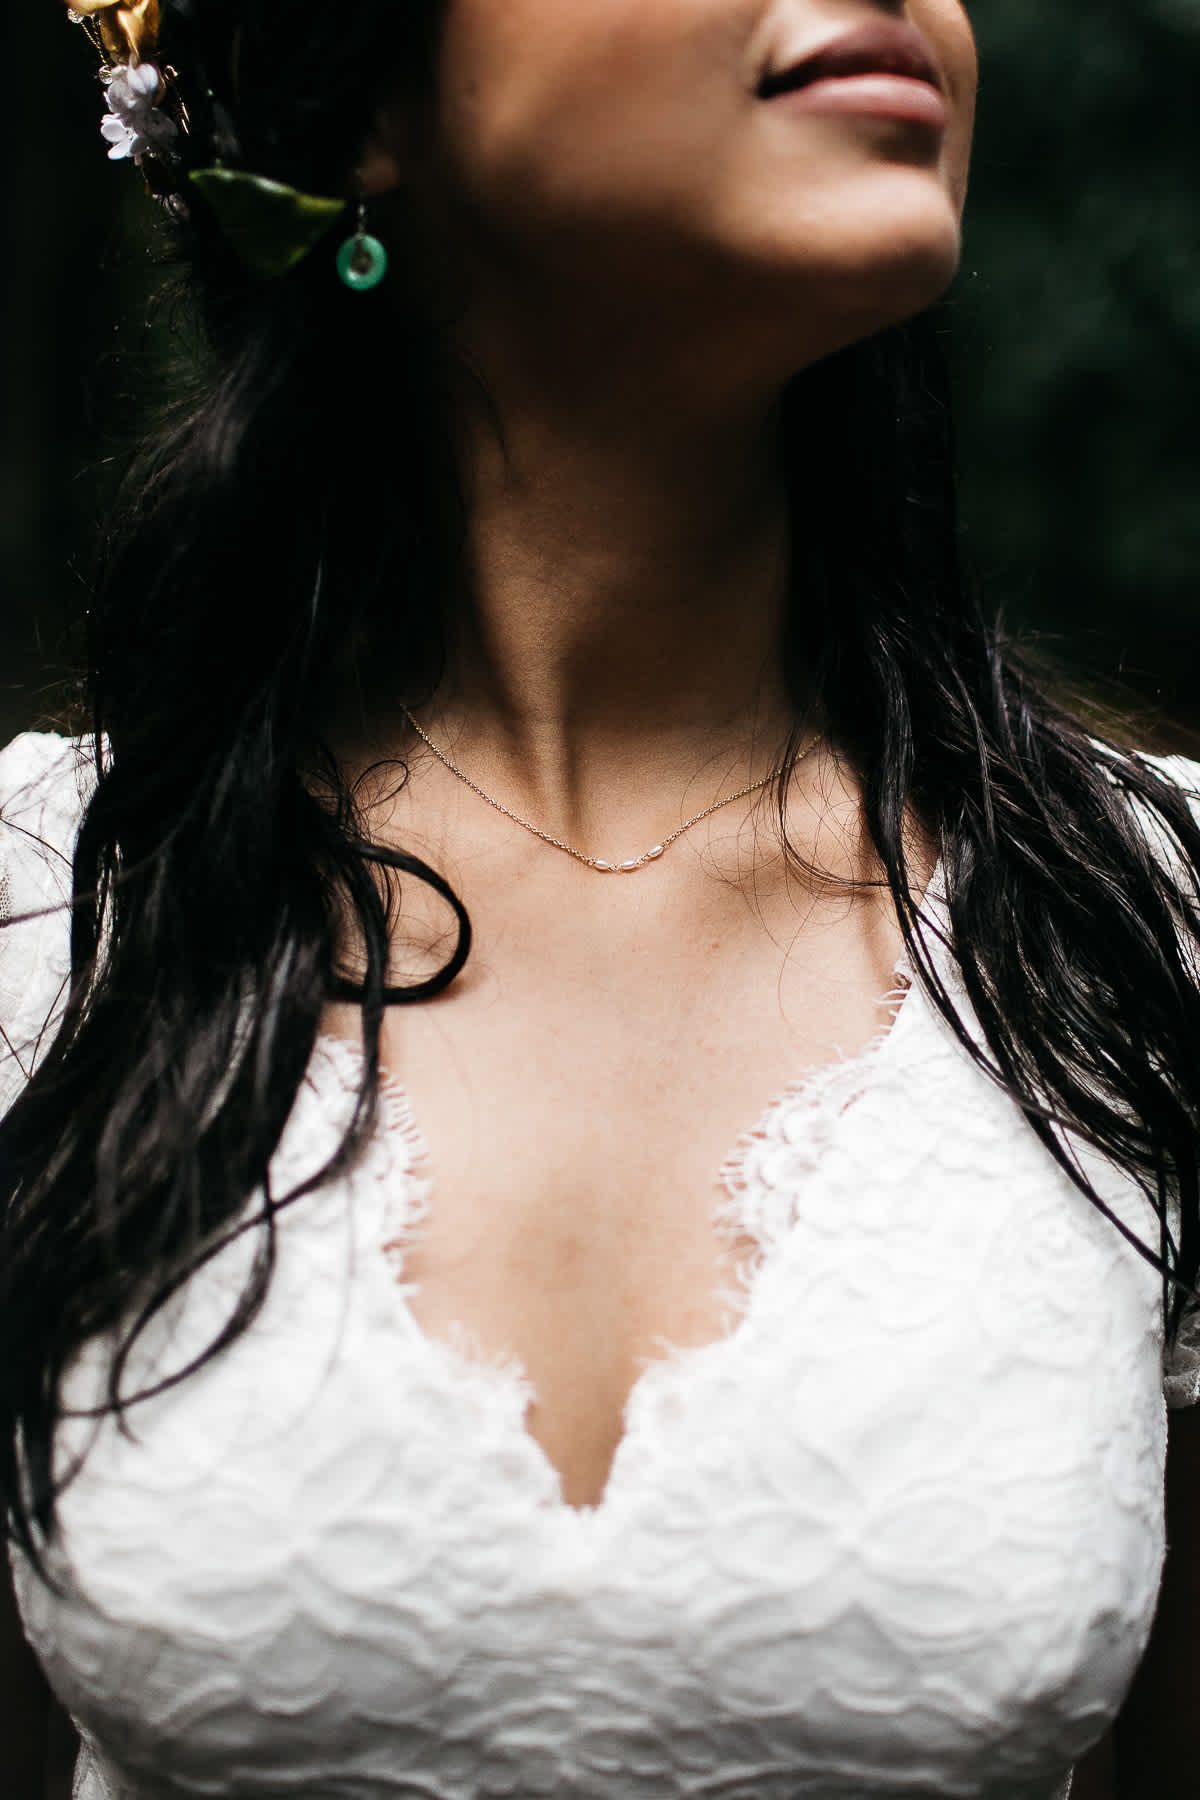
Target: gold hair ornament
x=120, y=32
x=270, y=227
x=137, y=125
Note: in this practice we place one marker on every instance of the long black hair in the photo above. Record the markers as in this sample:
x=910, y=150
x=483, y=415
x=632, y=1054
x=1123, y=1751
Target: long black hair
x=271, y=533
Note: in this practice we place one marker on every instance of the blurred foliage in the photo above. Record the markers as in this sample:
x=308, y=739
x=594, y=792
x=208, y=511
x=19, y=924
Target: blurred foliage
x=1075, y=329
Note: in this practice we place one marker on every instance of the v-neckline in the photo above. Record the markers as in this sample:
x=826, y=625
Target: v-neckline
x=825, y=1094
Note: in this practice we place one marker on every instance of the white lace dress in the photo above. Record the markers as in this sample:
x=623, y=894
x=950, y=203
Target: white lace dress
x=899, y=1534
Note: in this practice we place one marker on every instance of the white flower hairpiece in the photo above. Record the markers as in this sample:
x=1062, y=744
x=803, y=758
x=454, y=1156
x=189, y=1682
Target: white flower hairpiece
x=134, y=125
x=269, y=226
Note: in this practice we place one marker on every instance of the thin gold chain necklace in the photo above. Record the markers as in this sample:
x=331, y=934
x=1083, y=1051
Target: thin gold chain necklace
x=598, y=863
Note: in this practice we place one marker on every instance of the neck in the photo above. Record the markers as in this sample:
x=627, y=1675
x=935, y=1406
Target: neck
x=624, y=604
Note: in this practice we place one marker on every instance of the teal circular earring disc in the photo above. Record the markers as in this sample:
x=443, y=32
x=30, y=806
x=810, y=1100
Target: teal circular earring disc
x=362, y=263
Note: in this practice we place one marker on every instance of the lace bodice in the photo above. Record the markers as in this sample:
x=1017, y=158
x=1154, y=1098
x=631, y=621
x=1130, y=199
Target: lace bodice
x=898, y=1534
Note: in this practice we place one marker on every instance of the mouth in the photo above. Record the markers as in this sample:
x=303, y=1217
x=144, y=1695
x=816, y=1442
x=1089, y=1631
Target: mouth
x=884, y=47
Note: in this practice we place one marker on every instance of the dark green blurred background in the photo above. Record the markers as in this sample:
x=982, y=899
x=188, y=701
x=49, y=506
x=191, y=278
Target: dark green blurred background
x=1075, y=323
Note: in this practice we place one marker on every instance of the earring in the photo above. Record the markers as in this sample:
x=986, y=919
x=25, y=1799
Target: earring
x=362, y=261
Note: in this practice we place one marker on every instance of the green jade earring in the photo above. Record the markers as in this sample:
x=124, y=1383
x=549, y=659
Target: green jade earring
x=271, y=227
x=362, y=261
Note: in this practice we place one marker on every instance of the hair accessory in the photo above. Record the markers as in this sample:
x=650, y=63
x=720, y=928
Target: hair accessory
x=121, y=32
x=269, y=226
x=602, y=867
x=136, y=126
x=362, y=261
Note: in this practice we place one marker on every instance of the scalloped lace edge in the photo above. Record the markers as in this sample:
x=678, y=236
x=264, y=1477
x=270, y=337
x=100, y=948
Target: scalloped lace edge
x=747, y=1233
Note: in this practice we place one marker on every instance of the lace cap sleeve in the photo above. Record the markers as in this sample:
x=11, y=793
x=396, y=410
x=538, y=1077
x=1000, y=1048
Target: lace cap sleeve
x=44, y=785
x=1181, y=1366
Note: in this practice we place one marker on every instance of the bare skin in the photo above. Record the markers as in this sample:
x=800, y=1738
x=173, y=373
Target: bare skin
x=580, y=1088
x=641, y=253
x=638, y=255
x=643, y=262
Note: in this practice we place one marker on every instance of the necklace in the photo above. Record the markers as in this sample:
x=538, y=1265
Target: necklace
x=591, y=862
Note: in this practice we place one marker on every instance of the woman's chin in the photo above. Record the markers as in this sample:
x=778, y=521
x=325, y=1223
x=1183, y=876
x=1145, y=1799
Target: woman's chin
x=902, y=292
x=891, y=283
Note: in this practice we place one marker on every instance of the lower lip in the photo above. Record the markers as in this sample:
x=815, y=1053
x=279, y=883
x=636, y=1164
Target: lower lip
x=898, y=97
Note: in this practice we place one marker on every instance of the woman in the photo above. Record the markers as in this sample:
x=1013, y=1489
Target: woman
x=539, y=717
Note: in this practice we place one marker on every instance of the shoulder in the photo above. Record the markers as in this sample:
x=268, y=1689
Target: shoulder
x=1160, y=792
x=1179, y=772
x=45, y=783
x=1182, y=1365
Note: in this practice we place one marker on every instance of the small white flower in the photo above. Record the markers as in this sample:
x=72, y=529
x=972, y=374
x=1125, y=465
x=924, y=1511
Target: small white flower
x=117, y=134
x=132, y=88
x=134, y=126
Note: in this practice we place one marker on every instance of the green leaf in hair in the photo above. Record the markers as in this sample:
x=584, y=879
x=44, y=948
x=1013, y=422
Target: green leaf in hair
x=270, y=227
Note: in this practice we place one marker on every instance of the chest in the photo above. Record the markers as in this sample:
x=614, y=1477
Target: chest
x=578, y=1099
x=900, y=1532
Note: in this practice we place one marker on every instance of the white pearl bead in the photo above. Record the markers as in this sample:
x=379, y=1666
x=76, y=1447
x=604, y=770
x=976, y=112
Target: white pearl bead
x=658, y=850
x=605, y=868
x=627, y=868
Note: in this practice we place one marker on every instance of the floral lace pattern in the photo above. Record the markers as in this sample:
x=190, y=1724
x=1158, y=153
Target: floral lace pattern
x=898, y=1534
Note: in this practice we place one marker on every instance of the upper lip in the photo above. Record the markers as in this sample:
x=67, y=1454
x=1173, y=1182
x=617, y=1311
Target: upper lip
x=883, y=47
